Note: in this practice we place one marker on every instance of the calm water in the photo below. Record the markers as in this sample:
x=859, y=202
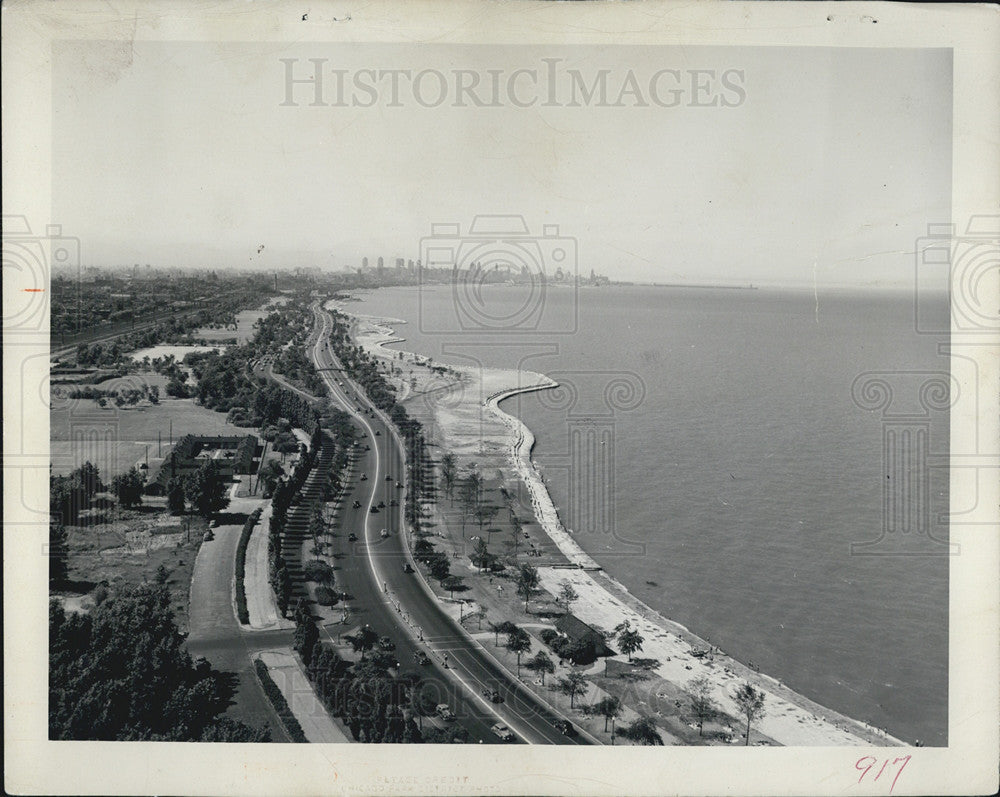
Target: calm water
x=707, y=452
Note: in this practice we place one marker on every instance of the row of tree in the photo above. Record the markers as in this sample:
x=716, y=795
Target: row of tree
x=121, y=673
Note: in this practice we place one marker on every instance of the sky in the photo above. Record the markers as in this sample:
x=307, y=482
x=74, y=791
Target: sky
x=819, y=165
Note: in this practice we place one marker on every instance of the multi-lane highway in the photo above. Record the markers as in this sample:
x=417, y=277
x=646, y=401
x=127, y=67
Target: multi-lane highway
x=395, y=601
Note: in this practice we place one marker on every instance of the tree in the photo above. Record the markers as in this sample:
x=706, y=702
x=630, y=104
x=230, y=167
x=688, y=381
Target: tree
x=88, y=478
x=468, y=497
x=440, y=568
x=480, y=554
x=527, y=583
x=750, y=702
x=572, y=685
x=518, y=642
x=451, y=583
x=541, y=663
x=484, y=513
x=207, y=490
x=610, y=708
x=270, y=474
x=643, y=731
x=363, y=639
x=700, y=695
x=139, y=682
x=567, y=595
x=629, y=640
x=504, y=627
x=448, y=473
x=127, y=487
x=175, y=495
x=58, y=552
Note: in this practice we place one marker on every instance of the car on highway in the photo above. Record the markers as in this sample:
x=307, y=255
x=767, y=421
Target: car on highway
x=399, y=485
x=352, y=537
x=378, y=433
x=388, y=478
x=566, y=728
x=407, y=567
x=209, y=536
x=492, y=695
x=384, y=533
x=444, y=712
x=381, y=504
x=357, y=505
x=394, y=502
x=421, y=658
x=386, y=644
x=502, y=732
x=364, y=477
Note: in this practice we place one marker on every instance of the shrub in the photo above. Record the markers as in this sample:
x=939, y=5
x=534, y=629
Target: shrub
x=549, y=635
x=281, y=706
x=326, y=596
x=316, y=570
x=241, y=561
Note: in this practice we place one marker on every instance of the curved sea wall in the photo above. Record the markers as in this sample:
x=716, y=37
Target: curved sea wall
x=519, y=453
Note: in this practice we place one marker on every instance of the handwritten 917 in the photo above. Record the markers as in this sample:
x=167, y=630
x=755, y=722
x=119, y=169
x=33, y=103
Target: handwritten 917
x=869, y=762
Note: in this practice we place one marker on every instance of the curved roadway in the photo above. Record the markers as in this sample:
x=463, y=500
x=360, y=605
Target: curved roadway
x=399, y=604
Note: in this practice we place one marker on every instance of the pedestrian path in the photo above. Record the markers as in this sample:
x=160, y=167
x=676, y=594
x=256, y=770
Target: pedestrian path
x=287, y=674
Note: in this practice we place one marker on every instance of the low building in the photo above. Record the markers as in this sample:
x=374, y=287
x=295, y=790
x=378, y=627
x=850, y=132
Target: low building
x=588, y=641
x=235, y=455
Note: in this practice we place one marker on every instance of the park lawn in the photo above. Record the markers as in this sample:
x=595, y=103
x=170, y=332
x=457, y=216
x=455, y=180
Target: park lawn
x=244, y=331
x=115, y=439
x=129, y=548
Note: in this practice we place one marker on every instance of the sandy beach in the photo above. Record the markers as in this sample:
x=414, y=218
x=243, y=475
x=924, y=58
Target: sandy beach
x=461, y=414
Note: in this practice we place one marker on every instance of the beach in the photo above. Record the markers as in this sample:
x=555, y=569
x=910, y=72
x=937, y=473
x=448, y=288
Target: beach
x=459, y=406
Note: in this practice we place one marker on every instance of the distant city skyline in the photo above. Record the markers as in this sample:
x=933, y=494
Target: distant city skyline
x=826, y=172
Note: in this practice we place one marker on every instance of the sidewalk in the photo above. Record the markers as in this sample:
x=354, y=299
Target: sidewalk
x=287, y=674
x=261, y=606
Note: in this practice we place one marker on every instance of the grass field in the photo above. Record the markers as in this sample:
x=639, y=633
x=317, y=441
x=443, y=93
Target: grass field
x=129, y=547
x=116, y=439
x=244, y=327
x=178, y=351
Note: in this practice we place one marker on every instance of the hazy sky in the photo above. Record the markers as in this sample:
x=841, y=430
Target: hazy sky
x=827, y=164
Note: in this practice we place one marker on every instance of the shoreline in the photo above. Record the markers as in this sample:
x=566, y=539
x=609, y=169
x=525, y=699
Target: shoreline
x=830, y=727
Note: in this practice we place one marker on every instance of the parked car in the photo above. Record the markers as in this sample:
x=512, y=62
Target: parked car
x=444, y=712
x=421, y=658
x=503, y=732
x=386, y=644
x=209, y=536
x=407, y=567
